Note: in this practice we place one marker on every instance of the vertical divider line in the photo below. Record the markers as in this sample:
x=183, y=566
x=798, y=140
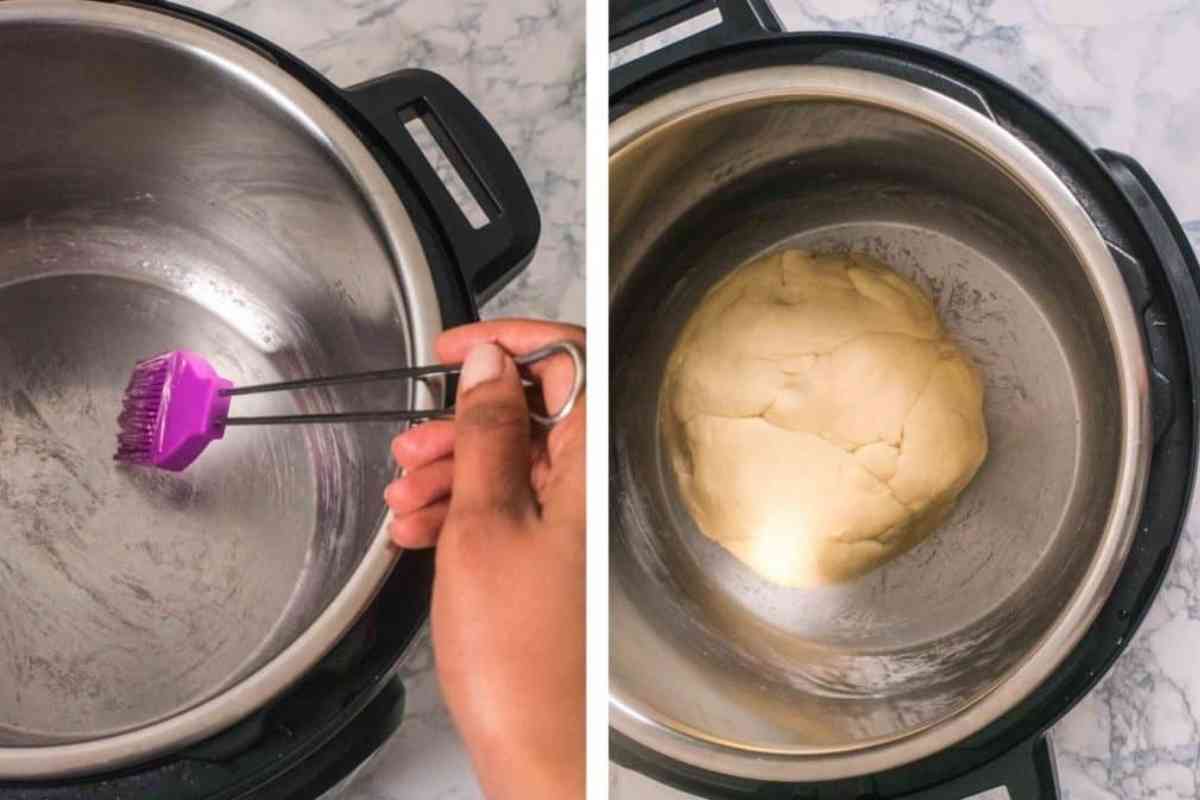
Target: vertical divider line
x=597, y=61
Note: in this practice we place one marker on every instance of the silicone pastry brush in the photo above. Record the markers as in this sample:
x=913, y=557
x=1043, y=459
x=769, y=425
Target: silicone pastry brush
x=176, y=404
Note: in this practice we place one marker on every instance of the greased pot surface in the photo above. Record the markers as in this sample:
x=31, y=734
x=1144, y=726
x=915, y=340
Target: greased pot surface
x=163, y=187
x=715, y=669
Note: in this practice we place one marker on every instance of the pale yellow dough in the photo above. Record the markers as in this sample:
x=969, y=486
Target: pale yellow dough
x=819, y=419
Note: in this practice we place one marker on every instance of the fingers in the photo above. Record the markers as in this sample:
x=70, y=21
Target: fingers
x=491, y=438
x=519, y=336
x=486, y=452
x=420, y=501
x=420, y=529
x=423, y=444
x=420, y=487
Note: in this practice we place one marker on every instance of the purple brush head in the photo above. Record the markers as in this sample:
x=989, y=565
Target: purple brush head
x=173, y=408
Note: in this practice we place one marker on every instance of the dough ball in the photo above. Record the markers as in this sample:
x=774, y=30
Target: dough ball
x=818, y=418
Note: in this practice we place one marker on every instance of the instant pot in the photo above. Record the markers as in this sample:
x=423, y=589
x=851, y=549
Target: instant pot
x=1059, y=268
x=168, y=181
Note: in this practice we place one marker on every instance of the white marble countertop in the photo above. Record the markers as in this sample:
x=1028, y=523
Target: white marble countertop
x=1125, y=76
x=521, y=62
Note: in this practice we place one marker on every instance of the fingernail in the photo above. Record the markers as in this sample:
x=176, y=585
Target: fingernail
x=484, y=363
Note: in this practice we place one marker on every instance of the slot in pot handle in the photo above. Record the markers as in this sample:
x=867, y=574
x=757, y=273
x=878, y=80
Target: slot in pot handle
x=633, y=22
x=1027, y=772
x=494, y=249
x=1170, y=244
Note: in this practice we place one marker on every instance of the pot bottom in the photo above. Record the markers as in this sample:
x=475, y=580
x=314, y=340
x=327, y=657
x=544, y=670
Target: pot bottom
x=130, y=594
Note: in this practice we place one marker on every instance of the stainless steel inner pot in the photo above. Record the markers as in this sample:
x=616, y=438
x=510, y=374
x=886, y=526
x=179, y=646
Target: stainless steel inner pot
x=162, y=187
x=712, y=666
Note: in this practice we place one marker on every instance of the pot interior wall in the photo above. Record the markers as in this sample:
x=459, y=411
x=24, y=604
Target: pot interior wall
x=703, y=646
x=153, y=198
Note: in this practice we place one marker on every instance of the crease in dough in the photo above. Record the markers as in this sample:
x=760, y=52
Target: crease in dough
x=818, y=418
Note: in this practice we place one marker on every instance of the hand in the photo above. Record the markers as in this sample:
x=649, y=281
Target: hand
x=505, y=504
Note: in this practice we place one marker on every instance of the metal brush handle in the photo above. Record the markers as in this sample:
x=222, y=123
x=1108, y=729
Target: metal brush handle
x=567, y=348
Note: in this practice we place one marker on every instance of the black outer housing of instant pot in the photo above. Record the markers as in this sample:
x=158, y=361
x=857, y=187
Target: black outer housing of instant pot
x=312, y=737
x=1161, y=271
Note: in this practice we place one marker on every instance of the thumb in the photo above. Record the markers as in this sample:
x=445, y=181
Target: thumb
x=491, y=437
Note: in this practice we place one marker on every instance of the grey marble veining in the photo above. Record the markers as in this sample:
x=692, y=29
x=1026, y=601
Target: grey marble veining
x=1125, y=76
x=521, y=62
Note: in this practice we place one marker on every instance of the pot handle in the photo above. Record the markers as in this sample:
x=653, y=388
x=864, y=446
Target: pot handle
x=742, y=21
x=493, y=250
x=632, y=22
x=1169, y=242
x=1027, y=772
